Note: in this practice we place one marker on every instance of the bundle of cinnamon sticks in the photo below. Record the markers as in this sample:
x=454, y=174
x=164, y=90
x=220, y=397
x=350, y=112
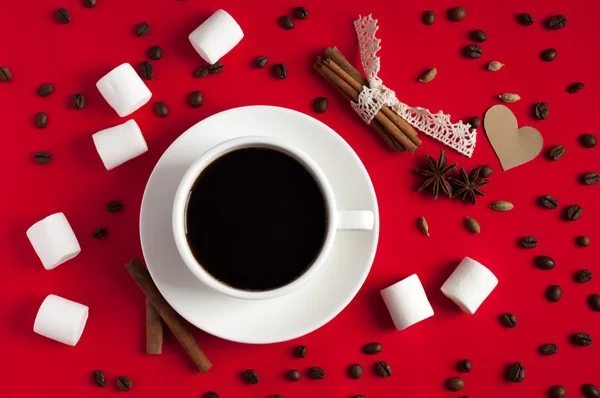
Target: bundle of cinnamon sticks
x=393, y=129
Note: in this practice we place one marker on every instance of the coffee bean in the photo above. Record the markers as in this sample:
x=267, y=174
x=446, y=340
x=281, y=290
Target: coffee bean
x=196, y=99
x=557, y=392
x=549, y=54
x=594, y=302
x=301, y=351
x=573, y=213
x=160, y=108
x=358, y=396
x=588, y=140
x=355, y=371
x=454, y=384
x=320, y=104
x=585, y=275
x=478, y=35
x=486, y=171
x=372, y=348
x=316, y=373
x=99, y=233
x=590, y=391
x=590, y=178
x=286, y=22
x=581, y=339
x=557, y=152
x=261, y=62
x=78, y=101
x=475, y=122
x=5, y=74
x=142, y=29
x=146, y=70
x=548, y=349
x=293, y=375
x=215, y=68
x=540, y=111
x=42, y=157
x=556, y=22
x=515, y=372
x=575, y=87
x=251, y=377
x=528, y=242
x=464, y=366
x=113, y=206
x=210, y=394
x=124, y=383
x=383, y=369
x=99, y=378
x=281, y=71
x=509, y=320
x=525, y=19
x=155, y=53
x=276, y=396
x=548, y=201
x=544, y=262
x=300, y=12
x=89, y=3
x=63, y=16
x=41, y=120
x=457, y=14
x=45, y=89
x=582, y=241
x=553, y=293
x=202, y=71
x=428, y=17
x=473, y=51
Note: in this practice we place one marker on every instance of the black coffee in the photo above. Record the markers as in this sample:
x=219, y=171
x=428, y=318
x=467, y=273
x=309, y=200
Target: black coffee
x=255, y=219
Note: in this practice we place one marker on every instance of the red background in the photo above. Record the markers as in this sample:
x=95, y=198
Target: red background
x=37, y=49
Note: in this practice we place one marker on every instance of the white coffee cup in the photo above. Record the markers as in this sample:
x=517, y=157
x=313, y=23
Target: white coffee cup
x=336, y=219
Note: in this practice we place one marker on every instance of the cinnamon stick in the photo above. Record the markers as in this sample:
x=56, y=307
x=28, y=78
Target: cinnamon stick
x=154, y=330
x=172, y=319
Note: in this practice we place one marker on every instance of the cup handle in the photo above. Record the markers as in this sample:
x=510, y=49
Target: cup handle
x=355, y=220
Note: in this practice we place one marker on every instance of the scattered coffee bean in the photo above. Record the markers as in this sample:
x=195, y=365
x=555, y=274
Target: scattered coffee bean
x=594, y=301
x=509, y=97
x=473, y=51
x=475, y=122
x=301, y=351
x=202, y=71
x=41, y=120
x=355, y=371
x=358, y=396
x=300, y=12
x=45, y=89
x=582, y=241
x=320, y=105
x=454, y=384
x=63, y=15
x=99, y=378
x=495, y=66
x=549, y=54
x=215, y=68
x=428, y=75
x=293, y=375
x=261, y=62
x=557, y=152
x=155, y=53
x=142, y=29
x=581, y=339
x=528, y=242
x=196, y=99
x=113, y=206
x=573, y=212
x=556, y=22
x=472, y=225
x=89, y=3
x=509, y=320
x=210, y=394
x=525, y=19
x=383, y=369
x=588, y=140
x=372, y=348
x=557, y=392
x=575, y=87
x=78, y=101
x=100, y=233
x=251, y=377
x=583, y=276
x=548, y=201
x=428, y=17
x=5, y=74
x=486, y=171
x=548, y=349
x=478, y=35
x=540, y=111
x=515, y=372
x=42, y=157
x=160, y=108
x=590, y=391
x=553, y=293
x=544, y=262
x=590, y=178
x=316, y=373
x=124, y=383
x=464, y=366
x=281, y=71
x=457, y=14
x=286, y=22
x=146, y=70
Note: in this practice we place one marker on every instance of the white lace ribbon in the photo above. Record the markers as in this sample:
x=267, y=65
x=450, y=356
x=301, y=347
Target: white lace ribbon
x=458, y=136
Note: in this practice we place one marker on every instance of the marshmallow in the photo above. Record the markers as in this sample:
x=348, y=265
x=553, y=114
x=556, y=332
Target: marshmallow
x=407, y=303
x=218, y=35
x=469, y=285
x=124, y=90
x=116, y=145
x=53, y=240
x=61, y=320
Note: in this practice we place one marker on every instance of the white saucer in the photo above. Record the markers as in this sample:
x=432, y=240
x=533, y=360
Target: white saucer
x=260, y=321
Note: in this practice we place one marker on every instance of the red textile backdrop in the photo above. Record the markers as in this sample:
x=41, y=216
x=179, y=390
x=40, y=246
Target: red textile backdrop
x=38, y=49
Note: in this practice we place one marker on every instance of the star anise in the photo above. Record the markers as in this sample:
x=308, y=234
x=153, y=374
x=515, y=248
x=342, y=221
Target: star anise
x=436, y=175
x=468, y=184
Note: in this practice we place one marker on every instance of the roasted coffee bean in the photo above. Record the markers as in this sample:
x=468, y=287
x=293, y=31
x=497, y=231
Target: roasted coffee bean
x=594, y=302
x=155, y=52
x=261, y=62
x=548, y=201
x=478, y=35
x=63, y=16
x=286, y=22
x=99, y=378
x=553, y=293
x=581, y=339
x=202, y=71
x=355, y=371
x=293, y=375
x=210, y=394
x=42, y=157
x=320, y=104
x=525, y=19
x=486, y=171
x=316, y=373
x=454, y=384
x=475, y=122
x=41, y=120
x=215, y=68
x=590, y=178
x=575, y=87
x=464, y=366
x=556, y=22
x=300, y=12
x=515, y=372
x=473, y=51
x=78, y=101
x=5, y=74
x=557, y=152
x=549, y=54
x=45, y=89
x=124, y=383
x=301, y=351
x=588, y=140
x=573, y=212
x=383, y=369
x=89, y=3
x=281, y=71
x=557, y=392
x=585, y=275
x=146, y=70
x=99, y=233
x=509, y=320
x=372, y=348
x=196, y=99
x=528, y=242
x=456, y=14
x=590, y=391
x=540, y=111
x=142, y=29
x=428, y=17
x=544, y=262
x=548, y=349
x=582, y=241
x=251, y=377
x=161, y=109
x=113, y=206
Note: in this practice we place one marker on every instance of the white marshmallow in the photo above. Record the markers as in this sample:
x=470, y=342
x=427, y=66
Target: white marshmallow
x=218, y=35
x=116, y=145
x=407, y=302
x=53, y=240
x=469, y=285
x=124, y=90
x=61, y=320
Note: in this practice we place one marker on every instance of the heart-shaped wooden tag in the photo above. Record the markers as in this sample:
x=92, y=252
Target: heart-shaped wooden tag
x=514, y=146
